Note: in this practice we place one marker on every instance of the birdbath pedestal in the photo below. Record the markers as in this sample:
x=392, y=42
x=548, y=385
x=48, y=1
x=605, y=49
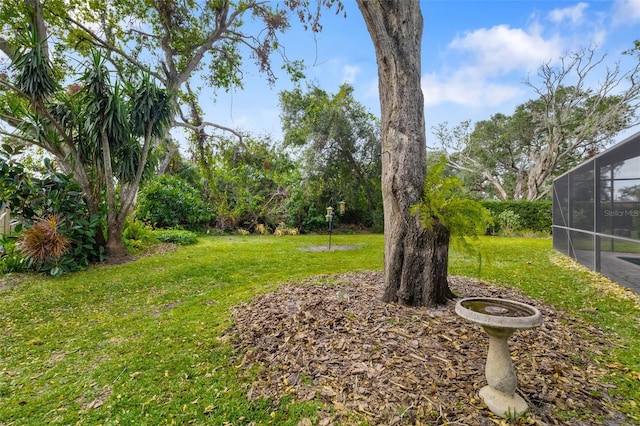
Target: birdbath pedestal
x=500, y=318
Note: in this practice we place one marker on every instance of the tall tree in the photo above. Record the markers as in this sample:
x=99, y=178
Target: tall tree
x=341, y=146
x=100, y=132
x=410, y=250
x=170, y=41
x=175, y=41
x=519, y=155
x=120, y=128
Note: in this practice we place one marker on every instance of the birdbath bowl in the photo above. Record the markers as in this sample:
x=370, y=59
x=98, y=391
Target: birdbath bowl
x=500, y=318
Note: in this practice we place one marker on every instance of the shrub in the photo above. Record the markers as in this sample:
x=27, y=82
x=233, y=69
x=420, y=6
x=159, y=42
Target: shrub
x=11, y=259
x=509, y=222
x=136, y=230
x=176, y=236
x=34, y=199
x=138, y=236
x=536, y=216
x=81, y=231
x=282, y=229
x=261, y=229
x=378, y=221
x=168, y=201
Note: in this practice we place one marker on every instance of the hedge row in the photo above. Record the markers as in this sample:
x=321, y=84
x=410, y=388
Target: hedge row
x=536, y=216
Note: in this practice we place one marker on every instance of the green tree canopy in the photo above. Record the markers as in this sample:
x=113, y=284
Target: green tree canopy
x=251, y=183
x=179, y=43
x=338, y=141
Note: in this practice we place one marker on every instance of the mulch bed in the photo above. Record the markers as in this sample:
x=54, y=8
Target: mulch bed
x=332, y=339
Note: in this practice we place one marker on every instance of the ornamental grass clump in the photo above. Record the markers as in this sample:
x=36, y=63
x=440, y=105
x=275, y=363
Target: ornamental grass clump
x=44, y=245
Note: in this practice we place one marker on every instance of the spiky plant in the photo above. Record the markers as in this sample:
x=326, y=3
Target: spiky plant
x=35, y=76
x=42, y=243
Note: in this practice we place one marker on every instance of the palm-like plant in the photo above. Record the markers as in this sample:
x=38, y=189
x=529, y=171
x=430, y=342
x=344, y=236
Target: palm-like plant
x=121, y=122
x=35, y=77
x=100, y=131
x=444, y=202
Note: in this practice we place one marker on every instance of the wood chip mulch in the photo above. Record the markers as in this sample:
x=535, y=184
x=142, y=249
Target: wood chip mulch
x=331, y=339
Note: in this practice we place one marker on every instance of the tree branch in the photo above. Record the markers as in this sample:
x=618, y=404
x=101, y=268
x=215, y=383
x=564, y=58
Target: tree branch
x=20, y=137
x=96, y=40
x=205, y=124
x=5, y=47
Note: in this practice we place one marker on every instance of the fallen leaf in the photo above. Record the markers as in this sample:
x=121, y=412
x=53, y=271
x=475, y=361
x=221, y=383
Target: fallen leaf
x=389, y=363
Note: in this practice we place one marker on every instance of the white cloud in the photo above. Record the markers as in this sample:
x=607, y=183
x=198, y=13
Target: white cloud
x=349, y=73
x=626, y=12
x=574, y=14
x=467, y=87
x=502, y=49
x=599, y=37
x=493, y=63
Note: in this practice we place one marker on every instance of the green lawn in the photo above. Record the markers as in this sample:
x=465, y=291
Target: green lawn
x=139, y=343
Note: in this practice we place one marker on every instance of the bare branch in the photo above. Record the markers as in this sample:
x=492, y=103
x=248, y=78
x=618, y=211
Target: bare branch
x=142, y=33
x=11, y=120
x=206, y=124
x=19, y=137
x=5, y=47
x=162, y=168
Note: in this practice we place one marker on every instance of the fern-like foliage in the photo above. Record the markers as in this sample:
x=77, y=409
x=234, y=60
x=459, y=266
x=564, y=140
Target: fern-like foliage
x=444, y=201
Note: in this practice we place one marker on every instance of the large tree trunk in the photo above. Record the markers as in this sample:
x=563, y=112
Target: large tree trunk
x=438, y=254
x=115, y=244
x=396, y=30
x=115, y=241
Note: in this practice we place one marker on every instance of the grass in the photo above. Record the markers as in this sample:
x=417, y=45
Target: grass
x=140, y=343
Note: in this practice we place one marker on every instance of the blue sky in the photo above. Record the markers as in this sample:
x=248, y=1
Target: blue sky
x=475, y=56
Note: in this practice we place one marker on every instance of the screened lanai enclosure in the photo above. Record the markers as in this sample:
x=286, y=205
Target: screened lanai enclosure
x=596, y=213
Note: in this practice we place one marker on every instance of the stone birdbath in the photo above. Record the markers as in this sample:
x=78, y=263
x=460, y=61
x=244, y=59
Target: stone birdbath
x=500, y=318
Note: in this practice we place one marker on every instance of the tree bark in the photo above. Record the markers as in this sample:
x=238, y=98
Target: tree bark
x=115, y=244
x=34, y=7
x=173, y=150
x=438, y=238
x=396, y=30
